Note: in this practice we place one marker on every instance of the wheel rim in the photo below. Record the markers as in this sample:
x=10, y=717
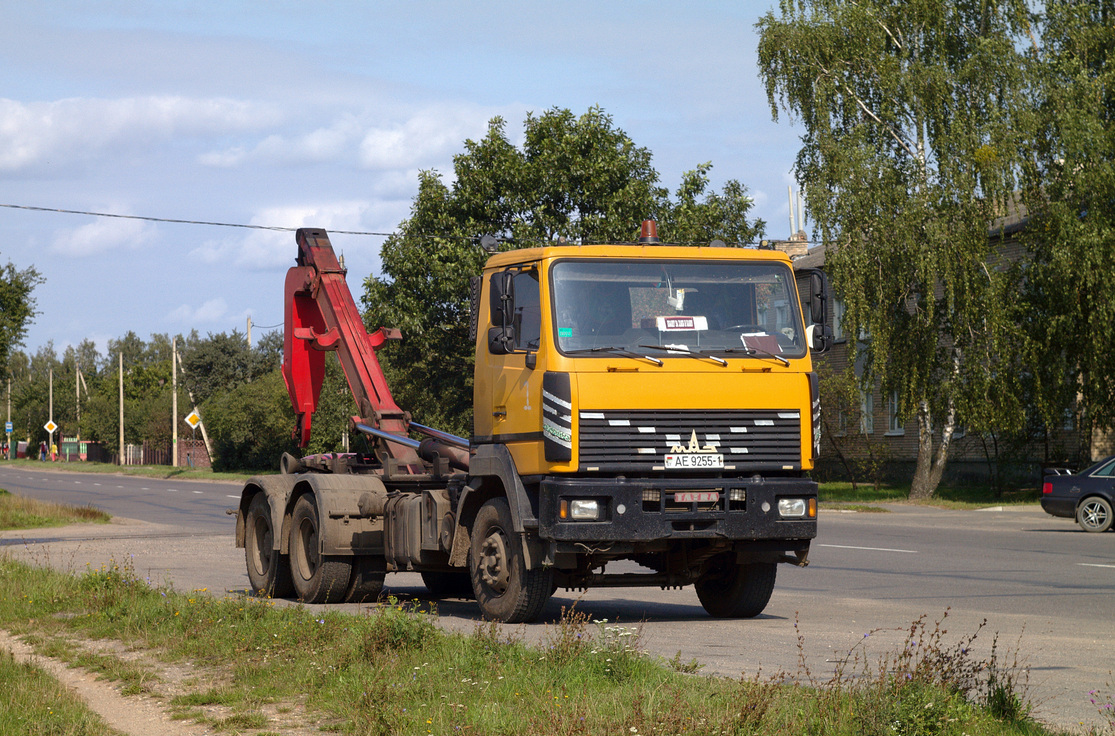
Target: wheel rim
x=1093, y=515
x=306, y=553
x=261, y=547
x=495, y=573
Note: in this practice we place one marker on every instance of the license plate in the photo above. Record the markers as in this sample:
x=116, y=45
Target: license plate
x=697, y=497
x=694, y=460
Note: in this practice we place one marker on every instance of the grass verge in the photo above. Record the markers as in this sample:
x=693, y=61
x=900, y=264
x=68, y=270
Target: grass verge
x=143, y=471
x=393, y=671
x=954, y=497
x=18, y=512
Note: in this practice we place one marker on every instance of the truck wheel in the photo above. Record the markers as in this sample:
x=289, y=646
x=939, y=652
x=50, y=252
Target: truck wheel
x=317, y=578
x=268, y=569
x=732, y=590
x=504, y=588
x=448, y=584
x=367, y=579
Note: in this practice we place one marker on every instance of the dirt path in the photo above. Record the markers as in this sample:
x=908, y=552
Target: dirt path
x=134, y=715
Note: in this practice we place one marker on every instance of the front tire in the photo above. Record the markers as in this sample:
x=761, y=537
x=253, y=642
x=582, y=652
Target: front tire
x=317, y=578
x=504, y=588
x=733, y=590
x=268, y=569
x=1094, y=514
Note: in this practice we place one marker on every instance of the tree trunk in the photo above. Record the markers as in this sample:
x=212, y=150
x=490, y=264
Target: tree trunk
x=920, y=487
x=930, y=467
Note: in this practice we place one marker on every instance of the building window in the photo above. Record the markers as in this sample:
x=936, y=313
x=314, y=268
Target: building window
x=894, y=421
x=838, y=320
x=867, y=413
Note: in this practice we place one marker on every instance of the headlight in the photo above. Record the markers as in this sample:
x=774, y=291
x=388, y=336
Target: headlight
x=580, y=509
x=796, y=508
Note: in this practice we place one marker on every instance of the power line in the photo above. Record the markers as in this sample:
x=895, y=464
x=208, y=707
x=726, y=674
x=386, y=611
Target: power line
x=183, y=222
x=277, y=228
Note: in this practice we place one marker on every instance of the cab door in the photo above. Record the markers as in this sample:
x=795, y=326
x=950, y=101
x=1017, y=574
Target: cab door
x=507, y=388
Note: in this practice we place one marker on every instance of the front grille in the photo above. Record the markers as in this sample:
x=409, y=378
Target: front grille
x=638, y=441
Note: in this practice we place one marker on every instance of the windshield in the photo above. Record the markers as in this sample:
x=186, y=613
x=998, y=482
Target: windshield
x=730, y=307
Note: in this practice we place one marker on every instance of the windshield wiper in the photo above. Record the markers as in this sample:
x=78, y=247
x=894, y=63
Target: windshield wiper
x=758, y=351
x=616, y=351
x=698, y=354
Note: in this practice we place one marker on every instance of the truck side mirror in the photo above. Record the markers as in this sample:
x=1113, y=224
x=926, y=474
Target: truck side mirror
x=501, y=304
x=501, y=341
x=501, y=298
x=819, y=334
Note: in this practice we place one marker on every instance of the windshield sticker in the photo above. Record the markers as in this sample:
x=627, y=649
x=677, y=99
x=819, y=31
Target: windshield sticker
x=681, y=324
x=565, y=332
x=761, y=341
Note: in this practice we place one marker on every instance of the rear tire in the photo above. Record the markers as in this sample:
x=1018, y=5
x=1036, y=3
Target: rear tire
x=1094, y=514
x=504, y=588
x=317, y=578
x=268, y=569
x=733, y=590
x=442, y=584
x=367, y=579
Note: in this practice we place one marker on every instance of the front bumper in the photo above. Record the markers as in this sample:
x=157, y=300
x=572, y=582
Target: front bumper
x=645, y=509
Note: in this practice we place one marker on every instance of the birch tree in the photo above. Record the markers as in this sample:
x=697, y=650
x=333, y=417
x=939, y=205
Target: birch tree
x=906, y=157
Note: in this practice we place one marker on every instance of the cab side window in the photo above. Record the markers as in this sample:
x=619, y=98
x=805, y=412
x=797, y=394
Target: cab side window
x=527, y=318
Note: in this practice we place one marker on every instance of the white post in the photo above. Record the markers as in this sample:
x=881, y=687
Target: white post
x=50, y=433
x=122, y=407
x=174, y=402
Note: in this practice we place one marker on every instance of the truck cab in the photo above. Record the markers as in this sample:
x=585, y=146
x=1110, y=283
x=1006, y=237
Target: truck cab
x=658, y=404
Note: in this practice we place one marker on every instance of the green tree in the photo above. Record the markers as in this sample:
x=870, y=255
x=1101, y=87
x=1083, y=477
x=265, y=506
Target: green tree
x=578, y=178
x=17, y=308
x=221, y=362
x=909, y=110
x=1069, y=303
x=250, y=425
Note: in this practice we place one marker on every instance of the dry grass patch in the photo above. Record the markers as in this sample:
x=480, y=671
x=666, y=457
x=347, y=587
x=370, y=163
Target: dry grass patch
x=19, y=512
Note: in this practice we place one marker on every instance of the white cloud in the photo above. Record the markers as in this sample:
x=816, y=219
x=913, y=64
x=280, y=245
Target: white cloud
x=214, y=310
x=330, y=143
x=101, y=235
x=430, y=136
x=55, y=132
x=426, y=138
x=274, y=249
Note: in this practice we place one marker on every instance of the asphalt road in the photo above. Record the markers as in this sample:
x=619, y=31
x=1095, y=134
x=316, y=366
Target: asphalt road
x=1045, y=589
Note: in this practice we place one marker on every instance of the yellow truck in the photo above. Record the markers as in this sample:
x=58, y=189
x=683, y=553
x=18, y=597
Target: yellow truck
x=644, y=415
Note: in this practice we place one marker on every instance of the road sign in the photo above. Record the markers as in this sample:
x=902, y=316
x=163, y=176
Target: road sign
x=193, y=419
x=50, y=426
x=8, y=427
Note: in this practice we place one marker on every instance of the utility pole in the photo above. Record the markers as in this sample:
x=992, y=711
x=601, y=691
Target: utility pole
x=204, y=434
x=9, y=424
x=50, y=382
x=81, y=385
x=174, y=402
x=121, y=407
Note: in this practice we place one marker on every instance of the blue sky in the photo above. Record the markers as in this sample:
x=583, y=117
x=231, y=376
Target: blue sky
x=322, y=114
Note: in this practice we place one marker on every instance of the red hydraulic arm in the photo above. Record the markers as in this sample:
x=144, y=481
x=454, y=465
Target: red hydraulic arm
x=321, y=317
